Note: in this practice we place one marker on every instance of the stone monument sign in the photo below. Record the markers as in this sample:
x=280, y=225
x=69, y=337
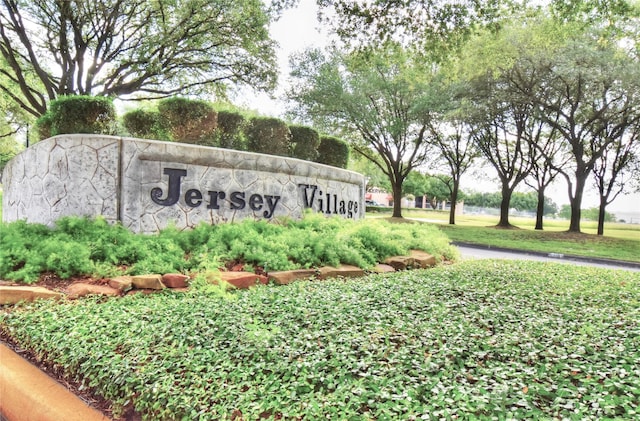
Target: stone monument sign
x=149, y=185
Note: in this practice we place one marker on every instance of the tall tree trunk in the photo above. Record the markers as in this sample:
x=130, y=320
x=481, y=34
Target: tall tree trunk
x=397, y=199
x=504, y=207
x=454, y=200
x=576, y=203
x=601, y=215
x=574, y=222
x=540, y=209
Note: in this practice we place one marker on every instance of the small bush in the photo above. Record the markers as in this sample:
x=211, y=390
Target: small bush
x=144, y=124
x=43, y=126
x=189, y=121
x=79, y=114
x=230, y=131
x=305, y=142
x=269, y=136
x=333, y=151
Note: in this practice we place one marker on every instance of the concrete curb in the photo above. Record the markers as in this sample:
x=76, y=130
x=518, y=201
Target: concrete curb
x=559, y=256
x=29, y=394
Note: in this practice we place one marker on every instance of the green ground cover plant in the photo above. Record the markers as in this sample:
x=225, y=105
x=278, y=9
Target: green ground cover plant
x=475, y=340
x=81, y=246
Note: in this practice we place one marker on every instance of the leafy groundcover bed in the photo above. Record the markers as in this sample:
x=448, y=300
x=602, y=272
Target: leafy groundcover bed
x=475, y=340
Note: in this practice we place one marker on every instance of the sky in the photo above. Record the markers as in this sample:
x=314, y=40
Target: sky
x=298, y=29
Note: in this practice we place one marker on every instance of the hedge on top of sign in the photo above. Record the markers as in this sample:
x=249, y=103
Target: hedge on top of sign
x=192, y=121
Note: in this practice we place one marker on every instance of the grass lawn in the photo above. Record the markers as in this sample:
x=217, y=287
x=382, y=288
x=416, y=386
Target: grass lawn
x=620, y=242
x=474, y=340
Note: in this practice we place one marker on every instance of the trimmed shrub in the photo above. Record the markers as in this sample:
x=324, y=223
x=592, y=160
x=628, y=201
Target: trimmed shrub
x=43, y=126
x=78, y=114
x=144, y=124
x=269, y=136
x=189, y=121
x=333, y=151
x=305, y=142
x=230, y=131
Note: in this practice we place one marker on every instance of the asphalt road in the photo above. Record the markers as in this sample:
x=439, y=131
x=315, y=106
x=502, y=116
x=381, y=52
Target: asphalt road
x=473, y=252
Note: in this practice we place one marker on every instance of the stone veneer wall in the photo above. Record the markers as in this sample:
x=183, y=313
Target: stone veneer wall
x=149, y=185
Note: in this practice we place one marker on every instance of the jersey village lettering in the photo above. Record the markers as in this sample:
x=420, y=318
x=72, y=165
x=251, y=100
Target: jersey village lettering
x=237, y=200
x=311, y=195
x=149, y=185
x=328, y=203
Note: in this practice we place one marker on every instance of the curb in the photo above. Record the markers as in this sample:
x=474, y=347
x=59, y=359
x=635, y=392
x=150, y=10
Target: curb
x=29, y=394
x=559, y=256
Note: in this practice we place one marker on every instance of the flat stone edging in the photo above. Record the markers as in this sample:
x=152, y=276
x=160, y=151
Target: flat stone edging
x=29, y=394
x=124, y=285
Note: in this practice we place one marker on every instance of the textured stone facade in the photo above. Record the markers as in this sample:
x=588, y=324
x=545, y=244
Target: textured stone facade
x=148, y=185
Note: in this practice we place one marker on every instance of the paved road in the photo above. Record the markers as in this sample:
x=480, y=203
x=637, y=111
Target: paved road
x=469, y=252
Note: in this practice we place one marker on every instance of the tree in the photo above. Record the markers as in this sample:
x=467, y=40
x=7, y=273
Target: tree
x=8, y=149
x=449, y=133
x=416, y=184
x=593, y=214
x=13, y=119
x=574, y=78
x=502, y=127
x=609, y=171
x=524, y=202
x=136, y=48
x=484, y=200
x=440, y=187
x=458, y=153
x=544, y=169
x=634, y=174
x=378, y=94
x=503, y=123
x=373, y=174
x=610, y=15
x=587, y=90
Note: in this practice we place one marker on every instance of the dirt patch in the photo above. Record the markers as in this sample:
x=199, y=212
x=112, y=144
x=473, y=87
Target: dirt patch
x=504, y=227
x=396, y=220
x=55, y=283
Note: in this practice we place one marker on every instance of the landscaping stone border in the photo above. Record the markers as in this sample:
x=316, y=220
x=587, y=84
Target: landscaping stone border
x=122, y=285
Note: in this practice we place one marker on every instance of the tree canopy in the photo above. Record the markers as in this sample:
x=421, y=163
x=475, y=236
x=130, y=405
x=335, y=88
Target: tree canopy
x=136, y=48
x=379, y=94
x=588, y=90
x=437, y=26
x=572, y=90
